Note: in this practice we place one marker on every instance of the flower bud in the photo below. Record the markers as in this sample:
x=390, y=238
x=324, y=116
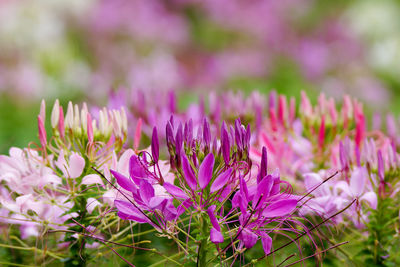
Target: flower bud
x=155, y=147
x=55, y=114
x=306, y=105
x=77, y=121
x=169, y=133
x=42, y=113
x=226, y=148
x=61, y=127
x=206, y=133
x=321, y=134
x=238, y=134
x=42, y=132
x=138, y=132
x=179, y=141
x=69, y=117
x=263, y=165
x=89, y=128
x=332, y=111
x=381, y=166
x=282, y=110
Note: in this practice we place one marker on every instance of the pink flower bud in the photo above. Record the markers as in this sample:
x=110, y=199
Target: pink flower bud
x=322, y=103
x=272, y=118
x=89, y=128
x=42, y=132
x=321, y=135
x=332, y=111
x=42, y=113
x=360, y=124
x=272, y=99
x=306, y=105
x=282, y=109
x=347, y=111
x=61, y=127
x=138, y=132
x=381, y=166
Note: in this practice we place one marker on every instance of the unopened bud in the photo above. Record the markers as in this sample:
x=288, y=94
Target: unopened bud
x=42, y=132
x=321, y=134
x=55, y=114
x=61, y=127
x=138, y=133
x=69, y=117
x=155, y=147
x=89, y=128
x=42, y=113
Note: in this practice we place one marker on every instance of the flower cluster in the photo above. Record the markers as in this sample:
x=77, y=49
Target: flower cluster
x=221, y=192
x=212, y=184
x=49, y=187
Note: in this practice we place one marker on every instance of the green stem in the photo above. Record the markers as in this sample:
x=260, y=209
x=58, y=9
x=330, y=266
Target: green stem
x=202, y=257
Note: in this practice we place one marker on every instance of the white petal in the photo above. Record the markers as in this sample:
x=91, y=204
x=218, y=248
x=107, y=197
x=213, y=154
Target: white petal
x=92, y=179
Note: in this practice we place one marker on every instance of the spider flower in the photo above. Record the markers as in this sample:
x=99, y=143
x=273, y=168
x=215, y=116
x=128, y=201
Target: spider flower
x=213, y=187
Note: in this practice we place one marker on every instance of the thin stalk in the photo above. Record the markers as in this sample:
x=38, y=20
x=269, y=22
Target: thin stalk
x=202, y=253
x=167, y=259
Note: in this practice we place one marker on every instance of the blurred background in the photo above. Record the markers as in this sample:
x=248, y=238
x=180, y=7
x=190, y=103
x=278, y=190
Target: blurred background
x=86, y=50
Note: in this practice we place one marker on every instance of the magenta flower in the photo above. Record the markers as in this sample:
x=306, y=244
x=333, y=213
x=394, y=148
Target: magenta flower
x=208, y=175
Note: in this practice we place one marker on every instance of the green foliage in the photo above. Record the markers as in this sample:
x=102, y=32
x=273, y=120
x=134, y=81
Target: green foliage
x=383, y=235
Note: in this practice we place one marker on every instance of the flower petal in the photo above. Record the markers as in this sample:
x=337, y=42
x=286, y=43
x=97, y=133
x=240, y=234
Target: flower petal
x=205, y=171
x=155, y=202
x=216, y=236
x=357, y=181
x=221, y=180
x=92, y=203
x=248, y=237
x=76, y=165
x=124, y=182
x=175, y=191
x=280, y=208
x=127, y=211
x=188, y=172
x=371, y=198
x=263, y=190
x=266, y=244
x=213, y=219
x=92, y=179
x=146, y=191
x=123, y=162
x=136, y=170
